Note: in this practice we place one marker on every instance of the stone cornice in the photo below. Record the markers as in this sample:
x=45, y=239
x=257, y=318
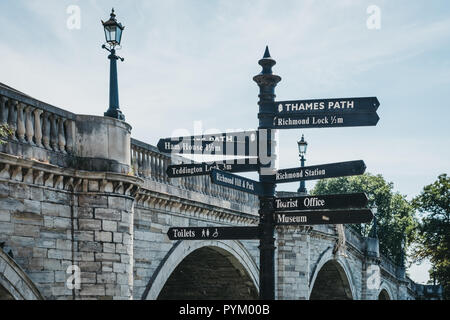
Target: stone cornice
x=162, y=202
x=38, y=173
x=197, y=197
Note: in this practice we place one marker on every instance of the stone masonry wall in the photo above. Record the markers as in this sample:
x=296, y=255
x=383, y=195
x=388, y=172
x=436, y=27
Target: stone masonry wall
x=51, y=219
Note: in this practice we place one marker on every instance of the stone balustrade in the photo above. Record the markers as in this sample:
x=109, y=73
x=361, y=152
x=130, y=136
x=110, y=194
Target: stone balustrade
x=35, y=123
x=48, y=134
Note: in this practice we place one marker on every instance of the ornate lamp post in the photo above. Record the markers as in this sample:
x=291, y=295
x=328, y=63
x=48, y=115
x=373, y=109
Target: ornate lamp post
x=302, y=146
x=113, y=35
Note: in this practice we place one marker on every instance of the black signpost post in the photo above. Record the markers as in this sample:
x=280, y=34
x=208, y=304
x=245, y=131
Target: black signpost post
x=259, y=144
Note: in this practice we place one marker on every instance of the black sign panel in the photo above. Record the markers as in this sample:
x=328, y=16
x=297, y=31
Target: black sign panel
x=335, y=201
x=198, y=169
x=236, y=182
x=331, y=106
x=325, y=120
x=332, y=170
x=317, y=217
x=235, y=143
x=214, y=233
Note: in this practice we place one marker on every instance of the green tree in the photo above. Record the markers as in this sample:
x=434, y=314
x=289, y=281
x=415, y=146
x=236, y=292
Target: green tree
x=433, y=241
x=5, y=131
x=395, y=218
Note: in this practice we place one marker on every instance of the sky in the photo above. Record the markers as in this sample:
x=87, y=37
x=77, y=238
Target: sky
x=190, y=64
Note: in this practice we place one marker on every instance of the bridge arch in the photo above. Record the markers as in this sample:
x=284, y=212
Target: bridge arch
x=385, y=293
x=331, y=279
x=14, y=282
x=222, y=257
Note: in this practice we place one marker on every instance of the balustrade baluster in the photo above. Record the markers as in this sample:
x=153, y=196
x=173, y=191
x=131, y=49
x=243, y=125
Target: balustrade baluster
x=12, y=118
x=145, y=164
x=29, y=130
x=46, y=130
x=38, y=127
x=61, y=136
x=20, y=123
x=160, y=176
x=139, y=162
x=3, y=110
x=68, y=124
x=53, y=132
x=166, y=165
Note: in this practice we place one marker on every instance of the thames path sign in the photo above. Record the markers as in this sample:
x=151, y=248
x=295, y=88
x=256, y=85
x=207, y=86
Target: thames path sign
x=335, y=201
x=332, y=170
x=214, y=233
x=326, y=113
x=317, y=217
x=324, y=106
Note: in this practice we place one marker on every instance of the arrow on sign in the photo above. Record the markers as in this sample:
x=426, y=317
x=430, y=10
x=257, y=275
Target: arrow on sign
x=342, y=105
x=214, y=233
x=317, y=217
x=326, y=120
x=335, y=201
x=332, y=170
x=237, y=143
x=198, y=169
x=236, y=182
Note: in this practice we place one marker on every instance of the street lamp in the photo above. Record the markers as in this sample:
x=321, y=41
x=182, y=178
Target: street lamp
x=113, y=36
x=302, y=146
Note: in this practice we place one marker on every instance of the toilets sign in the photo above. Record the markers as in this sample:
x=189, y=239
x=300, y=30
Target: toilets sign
x=214, y=233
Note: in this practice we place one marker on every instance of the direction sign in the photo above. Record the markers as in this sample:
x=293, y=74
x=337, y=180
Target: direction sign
x=236, y=182
x=319, y=106
x=332, y=170
x=335, y=201
x=326, y=120
x=198, y=169
x=214, y=233
x=317, y=217
x=238, y=143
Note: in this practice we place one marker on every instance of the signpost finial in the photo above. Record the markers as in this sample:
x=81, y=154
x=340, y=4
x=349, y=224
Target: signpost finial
x=266, y=53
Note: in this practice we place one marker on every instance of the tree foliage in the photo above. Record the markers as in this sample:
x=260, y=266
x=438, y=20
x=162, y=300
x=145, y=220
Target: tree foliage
x=433, y=241
x=395, y=218
x=5, y=131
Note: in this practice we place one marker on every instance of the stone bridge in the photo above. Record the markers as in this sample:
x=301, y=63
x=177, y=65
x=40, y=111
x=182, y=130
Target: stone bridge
x=77, y=190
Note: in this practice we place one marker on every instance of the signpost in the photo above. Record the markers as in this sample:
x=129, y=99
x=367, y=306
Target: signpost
x=332, y=170
x=214, y=233
x=333, y=120
x=317, y=217
x=306, y=210
x=198, y=169
x=319, y=106
x=225, y=179
x=335, y=201
x=236, y=143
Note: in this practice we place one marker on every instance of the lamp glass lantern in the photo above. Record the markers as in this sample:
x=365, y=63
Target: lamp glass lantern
x=302, y=146
x=113, y=30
